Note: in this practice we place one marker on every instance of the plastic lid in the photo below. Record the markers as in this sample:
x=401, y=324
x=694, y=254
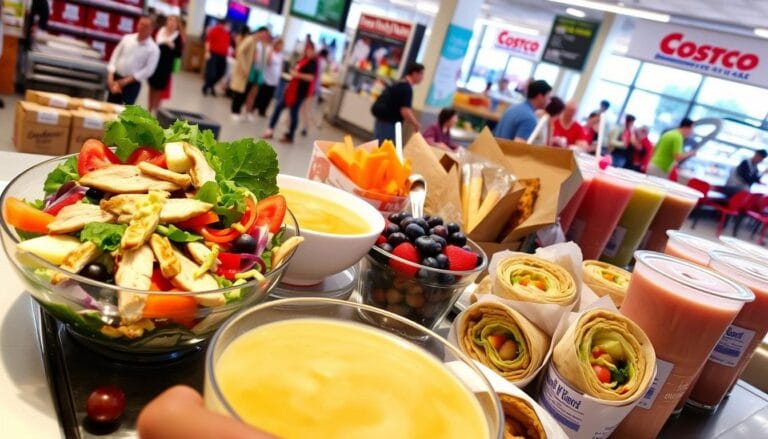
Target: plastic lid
x=694, y=278
x=337, y=286
x=725, y=262
x=694, y=242
x=677, y=188
x=752, y=250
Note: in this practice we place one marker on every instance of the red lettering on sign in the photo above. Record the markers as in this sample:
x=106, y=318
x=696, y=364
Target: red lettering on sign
x=674, y=44
x=506, y=40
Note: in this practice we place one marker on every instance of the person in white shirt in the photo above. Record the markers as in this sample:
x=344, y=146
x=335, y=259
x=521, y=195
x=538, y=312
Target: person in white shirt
x=134, y=60
x=273, y=68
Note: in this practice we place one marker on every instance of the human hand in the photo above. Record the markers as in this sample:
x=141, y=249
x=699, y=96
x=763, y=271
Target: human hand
x=115, y=87
x=207, y=56
x=180, y=413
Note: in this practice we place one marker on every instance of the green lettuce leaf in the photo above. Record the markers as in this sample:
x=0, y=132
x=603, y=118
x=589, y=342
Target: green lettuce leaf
x=208, y=193
x=134, y=127
x=106, y=236
x=182, y=131
x=63, y=173
x=249, y=163
x=176, y=234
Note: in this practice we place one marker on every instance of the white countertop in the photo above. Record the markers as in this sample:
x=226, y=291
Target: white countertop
x=26, y=407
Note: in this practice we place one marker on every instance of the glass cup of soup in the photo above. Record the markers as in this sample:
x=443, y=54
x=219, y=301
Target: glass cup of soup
x=310, y=367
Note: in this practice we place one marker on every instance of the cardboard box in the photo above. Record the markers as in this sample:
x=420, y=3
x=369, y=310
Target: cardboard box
x=87, y=124
x=72, y=15
x=41, y=130
x=122, y=24
x=99, y=20
x=48, y=99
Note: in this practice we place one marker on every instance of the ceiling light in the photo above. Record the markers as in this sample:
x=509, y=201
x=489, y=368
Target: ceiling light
x=575, y=12
x=621, y=10
x=509, y=26
x=761, y=32
x=402, y=2
x=428, y=8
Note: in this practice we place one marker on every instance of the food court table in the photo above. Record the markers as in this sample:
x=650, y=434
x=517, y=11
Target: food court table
x=27, y=409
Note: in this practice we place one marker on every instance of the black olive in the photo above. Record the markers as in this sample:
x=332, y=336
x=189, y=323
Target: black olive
x=96, y=271
x=244, y=243
x=94, y=194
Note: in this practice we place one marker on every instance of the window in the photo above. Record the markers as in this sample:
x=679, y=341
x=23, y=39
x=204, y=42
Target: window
x=702, y=111
x=614, y=93
x=620, y=69
x=518, y=72
x=547, y=72
x=668, y=81
x=734, y=97
x=488, y=67
x=657, y=111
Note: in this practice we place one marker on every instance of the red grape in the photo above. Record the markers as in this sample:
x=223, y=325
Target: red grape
x=105, y=404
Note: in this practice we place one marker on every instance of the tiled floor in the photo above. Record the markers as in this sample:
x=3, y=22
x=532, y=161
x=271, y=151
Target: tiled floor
x=293, y=158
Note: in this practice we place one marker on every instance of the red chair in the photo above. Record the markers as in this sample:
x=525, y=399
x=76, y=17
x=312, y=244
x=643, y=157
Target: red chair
x=736, y=206
x=759, y=213
x=703, y=187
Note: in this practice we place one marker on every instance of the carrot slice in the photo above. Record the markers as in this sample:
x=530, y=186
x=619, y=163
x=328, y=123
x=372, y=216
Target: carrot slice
x=179, y=308
x=25, y=217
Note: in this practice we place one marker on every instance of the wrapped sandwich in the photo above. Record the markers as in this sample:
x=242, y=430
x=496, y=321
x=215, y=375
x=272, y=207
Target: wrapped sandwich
x=502, y=339
x=532, y=279
x=520, y=419
x=606, y=280
x=607, y=356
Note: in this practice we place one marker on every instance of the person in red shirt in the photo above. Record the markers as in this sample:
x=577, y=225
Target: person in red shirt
x=217, y=42
x=566, y=131
x=642, y=150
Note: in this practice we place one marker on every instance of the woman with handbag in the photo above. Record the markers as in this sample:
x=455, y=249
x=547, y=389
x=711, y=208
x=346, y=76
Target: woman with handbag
x=170, y=42
x=299, y=87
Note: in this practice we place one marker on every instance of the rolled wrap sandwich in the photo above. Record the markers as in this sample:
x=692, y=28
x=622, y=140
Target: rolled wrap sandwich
x=532, y=279
x=520, y=419
x=606, y=280
x=607, y=356
x=502, y=339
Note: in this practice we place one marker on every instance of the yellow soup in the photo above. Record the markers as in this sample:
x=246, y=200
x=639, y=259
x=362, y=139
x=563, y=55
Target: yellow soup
x=320, y=378
x=322, y=215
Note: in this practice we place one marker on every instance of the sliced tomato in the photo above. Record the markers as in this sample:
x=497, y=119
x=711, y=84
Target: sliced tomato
x=94, y=155
x=159, y=282
x=72, y=199
x=219, y=236
x=147, y=154
x=602, y=373
x=249, y=217
x=229, y=260
x=199, y=221
x=25, y=217
x=227, y=273
x=271, y=212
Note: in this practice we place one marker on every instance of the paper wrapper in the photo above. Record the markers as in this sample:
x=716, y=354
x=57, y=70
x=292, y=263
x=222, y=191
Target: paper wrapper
x=504, y=387
x=555, y=167
x=580, y=415
x=323, y=170
x=494, y=317
x=600, y=285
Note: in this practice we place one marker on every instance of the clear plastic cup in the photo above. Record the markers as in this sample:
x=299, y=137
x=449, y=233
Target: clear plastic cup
x=678, y=204
x=691, y=248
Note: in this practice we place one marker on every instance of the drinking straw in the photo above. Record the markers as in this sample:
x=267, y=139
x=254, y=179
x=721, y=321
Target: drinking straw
x=600, y=135
x=539, y=126
x=399, y=140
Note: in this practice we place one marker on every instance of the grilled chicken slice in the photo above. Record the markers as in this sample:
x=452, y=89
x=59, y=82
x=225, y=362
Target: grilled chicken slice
x=201, y=172
x=125, y=179
x=200, y=253
x=134, y=271
x=163, y=250
x=284, y=250
x=74, y=217
x=187, y=281
x=144, y=222
x=77, y=259
x=159, y=173
x=174, y=209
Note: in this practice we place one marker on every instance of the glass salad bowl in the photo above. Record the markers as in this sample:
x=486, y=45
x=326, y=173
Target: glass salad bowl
x=171, y=323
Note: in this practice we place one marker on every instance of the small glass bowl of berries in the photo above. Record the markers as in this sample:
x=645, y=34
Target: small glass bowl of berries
x=419, y=267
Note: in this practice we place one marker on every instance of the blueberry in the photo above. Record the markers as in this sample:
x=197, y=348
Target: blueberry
x=479, y=259
x=435, y=221
x=467, y=248
x=391, y=228
x=427, y=246
x=396, y=239
x=395, y=218
x=378, y=256
x=413, y=231
x=427, y=217
x=406, y=221
x=422, y=223
x=458, y=239
x=442, y=261
x=452, y=228
x=439, y=230
x=440, y=240
x=430, y=262
x=422, y=274
x=446, y=279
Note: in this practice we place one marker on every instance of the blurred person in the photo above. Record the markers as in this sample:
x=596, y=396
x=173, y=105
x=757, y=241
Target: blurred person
x=36, y=19
x=394, y=105
x=307, y=114
x=566, y=127
x=743, y=176
x=180, y=413
x=170, y=43
x=642, y=150
x=217, y=42
x=439, y=133
x=669, y=149
x=133, y=61
x=519, y=121
x=592, y=127
x=542, y=134
x=273, y=68
x=298, y=88
x=503, y=88
x=245, y=49
x=604, y=106
x=256, y=75
x=622, y=140
x=360, y=51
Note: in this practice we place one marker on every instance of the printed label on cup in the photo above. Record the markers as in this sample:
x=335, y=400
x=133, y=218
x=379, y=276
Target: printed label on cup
x=48, y=117
x=663, y=369
x=93, y=123
x=731, y=346
x=576, y=230
x=614, y=243
x=58, y=101
x=580, y=415
x=646, y=238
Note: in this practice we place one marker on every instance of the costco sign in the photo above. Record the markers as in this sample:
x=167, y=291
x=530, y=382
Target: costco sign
x=726, y=56
x=524, y=46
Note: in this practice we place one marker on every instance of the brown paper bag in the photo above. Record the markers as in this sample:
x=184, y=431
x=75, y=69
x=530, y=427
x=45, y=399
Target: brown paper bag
x=443, y=193
x=555, y=167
